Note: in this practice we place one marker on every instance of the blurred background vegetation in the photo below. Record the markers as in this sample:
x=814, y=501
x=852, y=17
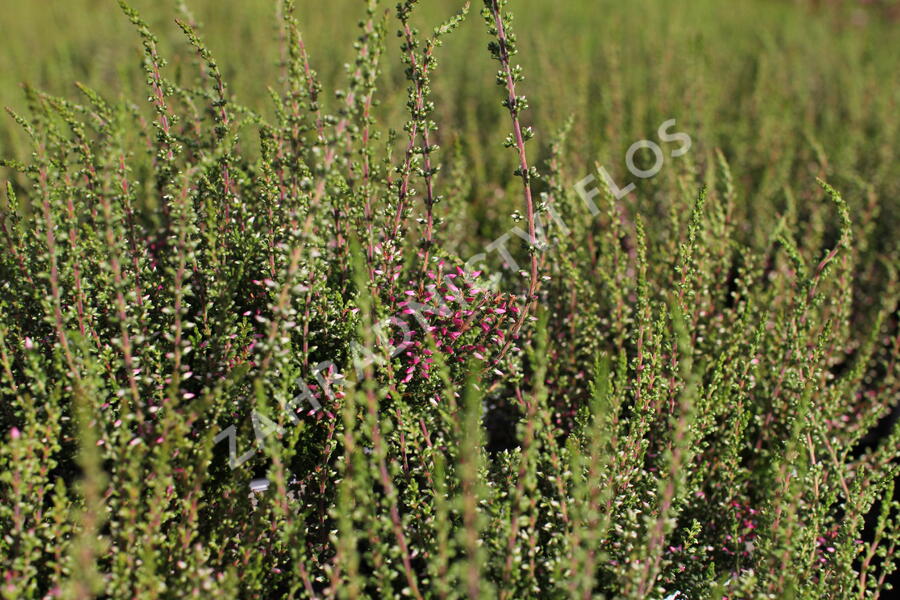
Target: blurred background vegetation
x=789, y=90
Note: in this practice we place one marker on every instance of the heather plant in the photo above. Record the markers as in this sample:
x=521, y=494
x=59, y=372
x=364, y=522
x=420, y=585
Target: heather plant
x=248, y=353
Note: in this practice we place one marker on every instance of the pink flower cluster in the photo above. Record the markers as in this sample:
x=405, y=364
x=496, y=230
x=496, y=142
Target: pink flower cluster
x=825, y=545
x=462, y=318
x=746, y=534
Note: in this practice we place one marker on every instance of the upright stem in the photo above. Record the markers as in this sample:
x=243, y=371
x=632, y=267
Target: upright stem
x=512, y=103
x=426, y=144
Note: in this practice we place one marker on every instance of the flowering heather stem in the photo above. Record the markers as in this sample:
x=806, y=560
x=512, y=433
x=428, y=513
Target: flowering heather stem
x=121, y=308
x=515, y=104
x=522, y=477
x=406, y=168
x=50, y=239
x=11, y=244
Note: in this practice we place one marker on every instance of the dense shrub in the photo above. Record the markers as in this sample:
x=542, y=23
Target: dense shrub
x=245, y=357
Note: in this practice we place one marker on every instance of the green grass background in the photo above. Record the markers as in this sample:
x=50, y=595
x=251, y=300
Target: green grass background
x=788, y=92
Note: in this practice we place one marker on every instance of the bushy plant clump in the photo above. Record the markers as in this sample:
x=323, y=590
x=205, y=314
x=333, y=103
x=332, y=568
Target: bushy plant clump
x=627, y=404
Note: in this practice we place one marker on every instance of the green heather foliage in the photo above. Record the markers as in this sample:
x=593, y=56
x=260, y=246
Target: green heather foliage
x=686, y=392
